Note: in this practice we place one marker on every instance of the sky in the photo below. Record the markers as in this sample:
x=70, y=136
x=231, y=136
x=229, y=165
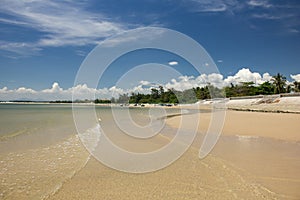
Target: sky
x=44, y=42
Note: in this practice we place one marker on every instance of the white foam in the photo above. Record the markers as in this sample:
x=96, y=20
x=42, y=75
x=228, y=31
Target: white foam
x=246, y=137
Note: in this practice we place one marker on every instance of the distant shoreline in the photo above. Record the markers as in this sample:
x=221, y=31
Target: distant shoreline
x=269, y=104
x=263, y=111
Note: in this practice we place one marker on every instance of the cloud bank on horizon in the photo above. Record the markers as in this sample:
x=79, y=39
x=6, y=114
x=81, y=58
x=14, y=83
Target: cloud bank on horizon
x=181, y=83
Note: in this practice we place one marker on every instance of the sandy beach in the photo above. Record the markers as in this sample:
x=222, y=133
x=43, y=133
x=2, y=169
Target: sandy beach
x=283, y=126
x=256, y=157
x=232, y=171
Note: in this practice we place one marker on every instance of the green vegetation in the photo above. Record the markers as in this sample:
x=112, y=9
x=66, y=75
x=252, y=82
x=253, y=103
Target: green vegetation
x=60, y=101
x=278, y=84
x=102, y=101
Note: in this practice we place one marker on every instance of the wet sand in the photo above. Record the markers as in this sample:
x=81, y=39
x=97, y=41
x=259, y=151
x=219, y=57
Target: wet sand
x=264, y=145
x=187, y=178
x=283, y=126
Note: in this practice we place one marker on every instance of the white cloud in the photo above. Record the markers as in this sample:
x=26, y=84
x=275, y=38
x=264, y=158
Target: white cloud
x=61, y=22
x=266, y=77
x=55, y=88
x=23, y=90
x=21, y=48
x=53, y=93
x=219, y=8
x=136, y=35
x=115, y=91
x=188, y=82
x=3, y=90
x=268, y=16
x=230, y=7
x=259, y=3
x=292, y=30
x=245, y=75
x=180, y=83
x=296, y=77
x=145, y=82
x=212, y=5
x=172, y=63
x=13, y=22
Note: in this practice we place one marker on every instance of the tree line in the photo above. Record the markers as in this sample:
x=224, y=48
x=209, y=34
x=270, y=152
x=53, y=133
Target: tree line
x=278, y=84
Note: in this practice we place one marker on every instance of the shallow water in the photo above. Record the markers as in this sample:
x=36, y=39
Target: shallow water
x=25, y=126
x=30, y=126
x=270, y=162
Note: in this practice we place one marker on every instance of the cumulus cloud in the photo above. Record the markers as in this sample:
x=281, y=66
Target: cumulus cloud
x=23, y=90
x=296, y=77
x=145, y=82
x=172, y=63
x=187, y=82
x=245, y=75
x=217, y=80
x=180, y=83
x=55, y=88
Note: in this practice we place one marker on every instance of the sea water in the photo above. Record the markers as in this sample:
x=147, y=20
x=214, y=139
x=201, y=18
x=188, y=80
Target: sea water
x=37, y=125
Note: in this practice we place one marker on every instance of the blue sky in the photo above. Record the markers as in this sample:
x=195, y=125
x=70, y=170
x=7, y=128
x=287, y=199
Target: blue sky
x=43, y=42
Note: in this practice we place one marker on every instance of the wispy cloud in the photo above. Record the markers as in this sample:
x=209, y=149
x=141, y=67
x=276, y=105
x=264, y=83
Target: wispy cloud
x=13, y=22
x=21, y=48
x=284, y=15
x=212, y=5
x=259, y=3
x=250, y=10
x=266, y=16
x=270, y=16
x=292, y=30
x=59, y=22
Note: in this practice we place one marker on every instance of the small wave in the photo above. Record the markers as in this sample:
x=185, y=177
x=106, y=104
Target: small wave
x=184, y=111
x=246, y=137
x=13, y=134
x=25, y=174
x=91, y=137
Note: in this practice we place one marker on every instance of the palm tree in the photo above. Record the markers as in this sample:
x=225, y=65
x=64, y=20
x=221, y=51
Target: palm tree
x=279, y=81
x=297, y=86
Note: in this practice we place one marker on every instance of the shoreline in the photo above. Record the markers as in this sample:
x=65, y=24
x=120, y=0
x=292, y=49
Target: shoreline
x=283, y=126
x=271, y=103
x=263, y=111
